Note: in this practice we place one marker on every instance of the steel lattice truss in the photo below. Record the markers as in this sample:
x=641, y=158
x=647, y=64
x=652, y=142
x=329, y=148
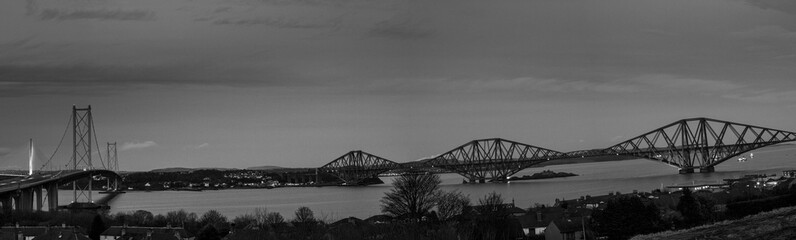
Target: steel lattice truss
x=112, y=157
x=700, y=142
x=82, y=126
x=82, y=132
x=356, y=166
x=494, y=159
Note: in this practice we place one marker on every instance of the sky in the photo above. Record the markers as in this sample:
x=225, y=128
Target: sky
x=298, y=83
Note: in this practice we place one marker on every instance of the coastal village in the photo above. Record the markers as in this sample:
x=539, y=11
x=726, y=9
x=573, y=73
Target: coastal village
x=565, y=219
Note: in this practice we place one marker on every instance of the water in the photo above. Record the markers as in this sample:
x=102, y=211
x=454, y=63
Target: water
x=332, y=203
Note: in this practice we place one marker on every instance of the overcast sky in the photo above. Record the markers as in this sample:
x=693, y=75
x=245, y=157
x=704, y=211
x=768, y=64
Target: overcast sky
x=298, y=83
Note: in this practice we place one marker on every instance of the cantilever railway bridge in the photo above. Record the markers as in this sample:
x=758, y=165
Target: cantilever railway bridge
x=688, y=144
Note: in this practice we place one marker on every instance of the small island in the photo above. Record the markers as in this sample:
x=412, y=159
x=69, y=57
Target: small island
x=541, y=175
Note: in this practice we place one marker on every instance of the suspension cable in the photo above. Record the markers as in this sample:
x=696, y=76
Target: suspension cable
x=99, y=152
x=59, y=143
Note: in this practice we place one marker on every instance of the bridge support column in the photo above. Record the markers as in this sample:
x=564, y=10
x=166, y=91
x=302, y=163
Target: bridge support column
x=17, y=200
x=5, y=199
x=27, y=200
x=52, y=197
x=39, y=198
x=686, y=170
x=707, y=169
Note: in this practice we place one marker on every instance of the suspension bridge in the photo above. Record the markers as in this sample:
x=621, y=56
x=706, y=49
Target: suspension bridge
x=30, y=192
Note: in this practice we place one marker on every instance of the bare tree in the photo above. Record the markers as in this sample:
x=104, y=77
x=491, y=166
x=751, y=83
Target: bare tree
x=451, y=204
x=213, y=217
x=304, y=215
x=274, y=218
x=412, y=196
x=492, y=204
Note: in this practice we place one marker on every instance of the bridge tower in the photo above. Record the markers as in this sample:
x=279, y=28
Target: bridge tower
x=112, y=156
x=113, y=164
x=82, y=133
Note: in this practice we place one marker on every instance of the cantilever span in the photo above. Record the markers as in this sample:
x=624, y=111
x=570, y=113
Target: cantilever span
x=688, y=144
x=24, y=193
x=492, y=158
x=700, y=143
x=356, y=166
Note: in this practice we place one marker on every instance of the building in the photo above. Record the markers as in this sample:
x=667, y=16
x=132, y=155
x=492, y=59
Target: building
x=537, y=219
x=566, y=228
x=789, y=173
x=32, y=232
x=41, y=233
x=62, y=234
x=145, y=233
x=247, y=234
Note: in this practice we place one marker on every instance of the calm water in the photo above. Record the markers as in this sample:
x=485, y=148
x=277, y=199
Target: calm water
x=340, y=202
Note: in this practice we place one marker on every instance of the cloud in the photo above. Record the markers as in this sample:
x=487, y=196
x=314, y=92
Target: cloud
x=402, y=28
x=97, y=14
x=671, y=82
x=274, y=22
x=203, y=145
x=769, y=96
x=767, y=32
x=137, y=145
x=5, y=151
x=786, y=6
x=553, y=85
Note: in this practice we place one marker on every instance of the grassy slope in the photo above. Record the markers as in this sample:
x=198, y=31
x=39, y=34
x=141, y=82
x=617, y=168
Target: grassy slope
x=776, y=224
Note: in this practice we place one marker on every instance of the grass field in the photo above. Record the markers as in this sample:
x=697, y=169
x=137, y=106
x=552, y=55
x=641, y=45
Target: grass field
x=776, y=224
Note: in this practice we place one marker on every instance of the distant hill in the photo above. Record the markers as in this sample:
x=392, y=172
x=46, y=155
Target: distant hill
x=265, y=168
x=182, y=169
x=174, y=169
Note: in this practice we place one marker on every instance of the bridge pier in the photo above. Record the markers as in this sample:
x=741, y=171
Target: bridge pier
x=26, y=200
x=17, y=197
x=52, y=197
x=686, y=170
x=707, y=169
x=39, y=198
x=5, y=199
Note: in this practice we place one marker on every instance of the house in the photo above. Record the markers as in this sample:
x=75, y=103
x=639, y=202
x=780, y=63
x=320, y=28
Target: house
x=145, y=233
x=62, y=234
x=32, y=232
x=567, y=228
x=537, y=219
x=515, y=211
x=247, y=234
x=21, y=232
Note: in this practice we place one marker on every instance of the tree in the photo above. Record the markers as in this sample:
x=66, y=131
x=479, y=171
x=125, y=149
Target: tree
x=97, y=227
x=180, y=218
x=274, y=219
x=696, y=210
x=412, y=196
x=627, y=216
x=244, y=221
x=209, y=232
x=213, y=217
x=451, y=204
x=492, y=204
x=141, y=218
x=304, y=215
